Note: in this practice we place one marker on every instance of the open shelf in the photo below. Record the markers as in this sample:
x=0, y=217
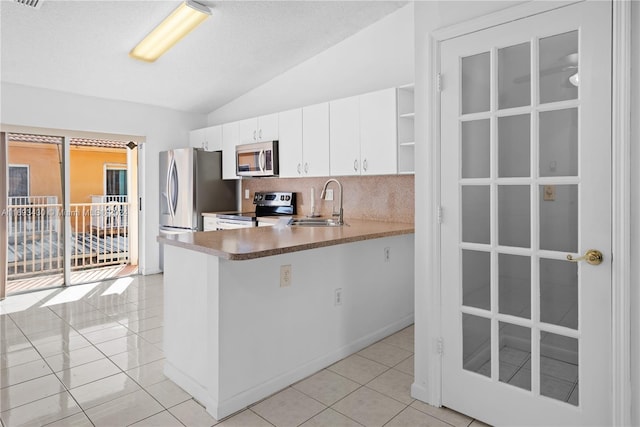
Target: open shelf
x=406, y=130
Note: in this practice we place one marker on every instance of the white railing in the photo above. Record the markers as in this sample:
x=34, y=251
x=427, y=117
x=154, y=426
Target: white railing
x=99, y=235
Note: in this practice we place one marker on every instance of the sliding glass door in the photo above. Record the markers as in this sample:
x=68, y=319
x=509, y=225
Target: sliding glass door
x=67, y=211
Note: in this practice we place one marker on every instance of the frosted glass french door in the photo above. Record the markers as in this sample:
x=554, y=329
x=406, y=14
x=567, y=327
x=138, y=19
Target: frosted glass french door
x=525, y=143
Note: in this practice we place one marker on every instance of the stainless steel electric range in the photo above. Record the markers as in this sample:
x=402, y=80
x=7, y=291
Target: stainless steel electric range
x=268, y=203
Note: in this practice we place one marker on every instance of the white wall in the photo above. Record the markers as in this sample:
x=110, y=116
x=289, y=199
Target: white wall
x=430, y=16
x=162, y=129
x=377, y=57
x=635, y=212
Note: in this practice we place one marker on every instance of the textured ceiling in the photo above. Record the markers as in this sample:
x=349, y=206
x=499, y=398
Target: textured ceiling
x=82, y=46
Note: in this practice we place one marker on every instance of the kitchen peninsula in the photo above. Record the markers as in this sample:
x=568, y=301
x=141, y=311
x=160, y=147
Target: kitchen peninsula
x=251, y=311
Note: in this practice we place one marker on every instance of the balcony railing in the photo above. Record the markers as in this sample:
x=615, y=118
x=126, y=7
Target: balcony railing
x=99, y=234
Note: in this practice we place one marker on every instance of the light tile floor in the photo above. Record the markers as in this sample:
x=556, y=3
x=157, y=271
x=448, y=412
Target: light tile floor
x=91, y=355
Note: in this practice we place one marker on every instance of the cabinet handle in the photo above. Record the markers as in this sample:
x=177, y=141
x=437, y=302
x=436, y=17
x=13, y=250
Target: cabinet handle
x=355, y=165
x=306, y=168
x=206, y=145
x=260, y=134
x=364, y=165
x=299, y=168
x=254, y=135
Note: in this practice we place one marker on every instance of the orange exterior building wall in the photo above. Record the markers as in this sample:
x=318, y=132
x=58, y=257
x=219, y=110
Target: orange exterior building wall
x=86, y=169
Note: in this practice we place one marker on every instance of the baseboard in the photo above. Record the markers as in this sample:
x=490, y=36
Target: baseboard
x=188, y=384
x=226, y=407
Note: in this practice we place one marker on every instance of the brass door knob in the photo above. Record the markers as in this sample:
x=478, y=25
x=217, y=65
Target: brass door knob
x=592, y=256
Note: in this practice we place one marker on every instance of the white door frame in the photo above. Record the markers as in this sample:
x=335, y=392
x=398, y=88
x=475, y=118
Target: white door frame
x=427, y=384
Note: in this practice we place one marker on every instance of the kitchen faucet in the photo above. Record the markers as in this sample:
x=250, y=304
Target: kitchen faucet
x=324, y=191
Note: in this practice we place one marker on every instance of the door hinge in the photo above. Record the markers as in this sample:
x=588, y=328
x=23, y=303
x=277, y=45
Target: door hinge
x=439, y=214
x=440, y=346
x=439, y=82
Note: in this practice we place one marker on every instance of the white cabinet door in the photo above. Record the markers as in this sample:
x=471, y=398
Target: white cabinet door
x=197, y=138
x=378, y=133
x=344, y=136
x=209, y=139
x=267, y=129
x=257, y=129
x=248, y=130
x=315, y=140
x=213, y=138
x=230, y=138
x=290, y=143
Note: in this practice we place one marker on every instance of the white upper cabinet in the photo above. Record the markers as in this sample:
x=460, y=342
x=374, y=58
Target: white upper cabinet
x=344, y=136
x=378, y=133
x=290, y=143
x=230, y=138
x=256, y=129
x=209, y=139
x=363, y=134
x=315, y=140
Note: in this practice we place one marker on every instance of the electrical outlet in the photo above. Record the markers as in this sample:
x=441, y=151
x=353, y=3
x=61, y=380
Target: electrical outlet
x=387, y=254
x=285, y=276
x=246, y=193
x=549, y=193
x=338, y=297
x=328, y=195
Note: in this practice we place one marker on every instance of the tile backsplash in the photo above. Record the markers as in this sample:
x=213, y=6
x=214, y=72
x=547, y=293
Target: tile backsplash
x=378, y=198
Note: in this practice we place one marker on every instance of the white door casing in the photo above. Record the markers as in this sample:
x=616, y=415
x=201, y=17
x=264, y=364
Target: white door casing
x=503, y=178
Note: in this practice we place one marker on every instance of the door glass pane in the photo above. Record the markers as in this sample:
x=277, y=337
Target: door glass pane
x=514, y=285
x=475, y=83
x=559, y=367
x=476, y=279
x=34, y=213
x=514, y=146
x=559, y=218
x=559, y=78
x=514, y=215
x=476, y=216
x=559, y=293
x=475, y=149
x=514, y=355
x=476, y=344
x=559, y=143
x=514, y=76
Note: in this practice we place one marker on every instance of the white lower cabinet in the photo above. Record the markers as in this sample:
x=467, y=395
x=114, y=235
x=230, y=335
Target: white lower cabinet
x=209, y=223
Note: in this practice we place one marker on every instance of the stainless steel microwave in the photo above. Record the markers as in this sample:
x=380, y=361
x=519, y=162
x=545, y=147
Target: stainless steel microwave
x=257, y=159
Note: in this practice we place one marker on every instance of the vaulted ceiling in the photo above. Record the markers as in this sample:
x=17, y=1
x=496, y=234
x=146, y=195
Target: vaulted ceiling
x=82, y=46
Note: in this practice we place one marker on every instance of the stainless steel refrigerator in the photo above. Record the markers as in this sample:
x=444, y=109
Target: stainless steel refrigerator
x=191, y=183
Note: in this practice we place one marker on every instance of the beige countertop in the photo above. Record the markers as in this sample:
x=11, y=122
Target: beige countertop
x=258, y=242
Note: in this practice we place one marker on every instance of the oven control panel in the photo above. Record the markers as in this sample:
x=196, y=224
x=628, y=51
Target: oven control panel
x=275, y=203
x=275, y=198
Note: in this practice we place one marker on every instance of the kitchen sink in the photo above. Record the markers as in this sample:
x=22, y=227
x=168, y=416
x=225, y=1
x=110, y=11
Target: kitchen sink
x=316, y=222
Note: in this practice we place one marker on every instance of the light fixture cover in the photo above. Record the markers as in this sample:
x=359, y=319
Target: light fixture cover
x=178, y=24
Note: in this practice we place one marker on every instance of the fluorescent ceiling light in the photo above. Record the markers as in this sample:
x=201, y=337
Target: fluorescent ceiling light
x=177, y=25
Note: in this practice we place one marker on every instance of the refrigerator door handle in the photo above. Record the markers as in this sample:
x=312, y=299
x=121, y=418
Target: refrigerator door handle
x=172, y=187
